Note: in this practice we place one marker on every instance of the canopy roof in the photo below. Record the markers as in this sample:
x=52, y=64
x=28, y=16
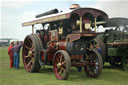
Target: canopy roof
x=117, y=22
x=66, y=15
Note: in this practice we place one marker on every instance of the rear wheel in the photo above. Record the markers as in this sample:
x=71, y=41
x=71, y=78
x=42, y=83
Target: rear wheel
x=40, y=47
x=30, y=54
x=94, y=63
x=61, y=65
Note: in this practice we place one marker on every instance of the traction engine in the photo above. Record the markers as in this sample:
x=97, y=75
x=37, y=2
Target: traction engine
x=65, y=43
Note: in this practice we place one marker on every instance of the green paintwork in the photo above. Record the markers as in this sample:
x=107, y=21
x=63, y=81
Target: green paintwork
x=110, y=39
x=113, y=52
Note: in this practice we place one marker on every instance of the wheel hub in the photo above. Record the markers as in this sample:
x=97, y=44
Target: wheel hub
x=30, y=53
x=59, y=65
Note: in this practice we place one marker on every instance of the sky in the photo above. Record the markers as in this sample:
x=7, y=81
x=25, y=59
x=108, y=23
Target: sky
x=15, y=12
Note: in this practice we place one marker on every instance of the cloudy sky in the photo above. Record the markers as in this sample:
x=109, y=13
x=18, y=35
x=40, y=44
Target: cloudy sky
x=15, y=12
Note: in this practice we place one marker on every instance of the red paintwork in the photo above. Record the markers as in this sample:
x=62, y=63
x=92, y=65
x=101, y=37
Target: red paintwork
x=53, y=47
x=77, y=57
x=10, y=53
x=62, y=45
x=82, y=63
x=42, y=55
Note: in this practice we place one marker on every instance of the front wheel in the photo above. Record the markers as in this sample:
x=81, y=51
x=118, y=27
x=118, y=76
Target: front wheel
x=62, y=65
x=94, y=63
x=98, y=42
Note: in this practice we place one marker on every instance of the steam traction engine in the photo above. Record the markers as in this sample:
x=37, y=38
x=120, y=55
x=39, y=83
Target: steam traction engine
x=114, y=42
x=65, y=42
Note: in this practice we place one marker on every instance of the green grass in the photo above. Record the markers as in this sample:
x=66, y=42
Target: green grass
x=109, y=76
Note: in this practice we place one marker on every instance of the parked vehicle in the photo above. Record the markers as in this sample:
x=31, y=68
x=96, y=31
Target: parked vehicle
x=65, y=42
x=114, y=42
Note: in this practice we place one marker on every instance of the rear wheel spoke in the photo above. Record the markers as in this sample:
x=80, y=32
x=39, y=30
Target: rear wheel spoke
x=27, y=56
x=32, y=60
x=29, y=63
x=32, y=50
x=29, y=41
x=33, y=54
x=27, y=47
x=32, y=47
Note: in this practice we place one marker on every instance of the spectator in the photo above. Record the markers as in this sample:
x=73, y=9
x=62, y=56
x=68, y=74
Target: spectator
x=16, y=50
x=10, y=53
x=98, y=49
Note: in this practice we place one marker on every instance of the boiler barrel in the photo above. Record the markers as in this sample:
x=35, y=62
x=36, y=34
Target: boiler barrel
x=74, y=48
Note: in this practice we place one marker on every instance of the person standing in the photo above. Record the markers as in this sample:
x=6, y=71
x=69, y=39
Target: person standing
x=98, y=49
x=10, y=53
x=16, y=50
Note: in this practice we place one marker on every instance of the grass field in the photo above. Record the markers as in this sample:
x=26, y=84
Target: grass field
x=110, y=75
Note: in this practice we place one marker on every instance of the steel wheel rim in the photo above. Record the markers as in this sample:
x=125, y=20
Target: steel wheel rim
x=28, y=54
x=93, y=64
x=59, y=66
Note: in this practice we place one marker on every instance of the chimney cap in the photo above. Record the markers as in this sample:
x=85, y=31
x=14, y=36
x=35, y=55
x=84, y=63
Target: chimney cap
x=75, y=6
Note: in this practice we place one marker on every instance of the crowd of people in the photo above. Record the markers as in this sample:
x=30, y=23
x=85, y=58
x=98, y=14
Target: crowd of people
x=14, y=54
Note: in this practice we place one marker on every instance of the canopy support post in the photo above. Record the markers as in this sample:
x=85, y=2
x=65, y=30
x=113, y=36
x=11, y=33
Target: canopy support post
x=32, y=29
x=95, y=24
